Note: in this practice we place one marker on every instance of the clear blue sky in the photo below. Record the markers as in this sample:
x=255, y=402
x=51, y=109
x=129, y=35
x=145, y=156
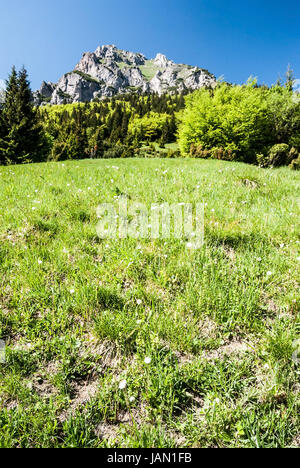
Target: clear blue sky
x=234, y=38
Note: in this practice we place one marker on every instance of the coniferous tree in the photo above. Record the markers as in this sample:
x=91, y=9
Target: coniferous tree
x=124, y=126
x=7, y=111
x=22, y=138
x=2, y=136
x=290, y=79
x=2, y=126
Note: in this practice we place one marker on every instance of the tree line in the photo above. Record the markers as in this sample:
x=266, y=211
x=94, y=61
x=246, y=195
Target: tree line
x=249, y=123
x=114, y=127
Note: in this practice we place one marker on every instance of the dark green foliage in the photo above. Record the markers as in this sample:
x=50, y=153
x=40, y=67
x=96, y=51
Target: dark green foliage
x=2, y=136
x=117, y=151
x=71, y=143
x=173, y=154
x=21, y=135
x=277, y=156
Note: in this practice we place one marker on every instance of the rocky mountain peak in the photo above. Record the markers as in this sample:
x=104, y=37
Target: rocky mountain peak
x=110, y=71
x=162, y=61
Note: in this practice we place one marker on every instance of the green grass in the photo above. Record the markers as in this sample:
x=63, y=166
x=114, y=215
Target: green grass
x=149, y=70
x=86, y=76
x=123, y=65
x=80, y=315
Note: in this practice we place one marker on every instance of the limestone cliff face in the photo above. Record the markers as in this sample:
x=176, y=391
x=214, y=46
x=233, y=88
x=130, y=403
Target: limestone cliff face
x=110, y=71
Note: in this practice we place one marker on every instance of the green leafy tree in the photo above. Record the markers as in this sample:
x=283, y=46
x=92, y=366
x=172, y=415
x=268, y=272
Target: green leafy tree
x=150, y=127
x=231, y=118
x=284, y=113
x=239, y=122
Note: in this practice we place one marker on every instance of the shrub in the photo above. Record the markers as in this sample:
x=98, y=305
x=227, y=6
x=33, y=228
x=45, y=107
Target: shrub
x=262, y=160
x=197, y=151
x=227, y=154
x=146, y=152
x=117, y=151
x=293, y=154
x=240, y=122
x=173, y=153
x=295, y=164
x=231, y=117
x=278, y=155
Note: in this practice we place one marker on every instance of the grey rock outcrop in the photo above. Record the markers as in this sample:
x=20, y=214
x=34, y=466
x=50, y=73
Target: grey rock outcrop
x=45, y=93
x=110, y=71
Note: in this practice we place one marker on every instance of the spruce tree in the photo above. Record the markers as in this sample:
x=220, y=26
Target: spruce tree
x=22, y=139
x=2, y=125
x=2, y=136
x=290, y=79
x=7, y=111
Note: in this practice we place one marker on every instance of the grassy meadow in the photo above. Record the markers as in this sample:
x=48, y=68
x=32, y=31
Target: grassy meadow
x=144, y=343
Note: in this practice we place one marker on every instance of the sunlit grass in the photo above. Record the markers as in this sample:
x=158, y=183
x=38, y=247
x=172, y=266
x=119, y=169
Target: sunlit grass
x=202, y=339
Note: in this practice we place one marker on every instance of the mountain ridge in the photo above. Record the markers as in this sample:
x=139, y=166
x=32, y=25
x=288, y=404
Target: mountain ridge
x=110, y=71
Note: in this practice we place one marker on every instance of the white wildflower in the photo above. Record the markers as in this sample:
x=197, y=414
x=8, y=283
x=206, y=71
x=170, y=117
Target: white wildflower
x=123, y=385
